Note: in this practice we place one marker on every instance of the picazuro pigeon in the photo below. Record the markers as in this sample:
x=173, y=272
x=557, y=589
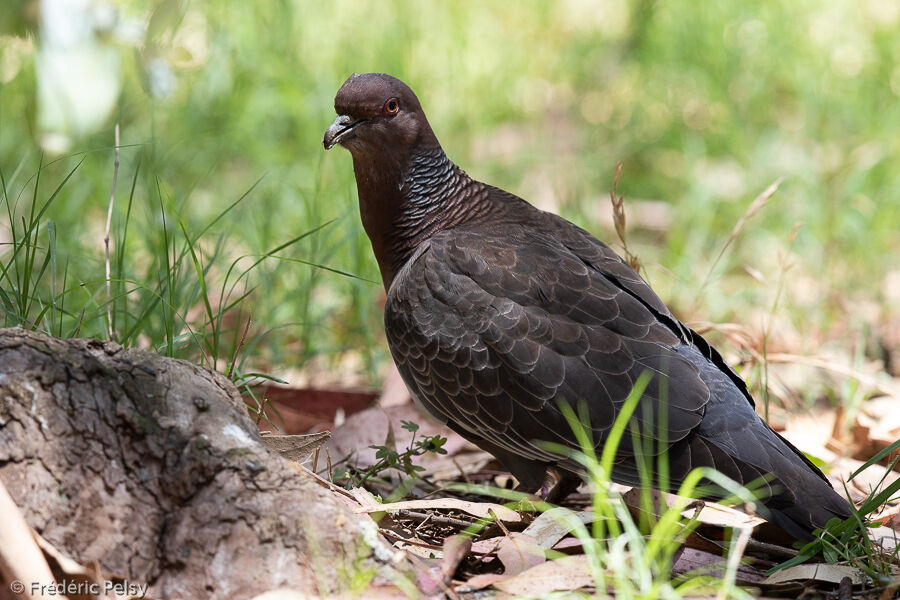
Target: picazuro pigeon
x=498, y=314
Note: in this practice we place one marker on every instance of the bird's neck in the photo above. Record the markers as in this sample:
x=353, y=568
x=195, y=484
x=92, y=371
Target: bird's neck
x=405, y=201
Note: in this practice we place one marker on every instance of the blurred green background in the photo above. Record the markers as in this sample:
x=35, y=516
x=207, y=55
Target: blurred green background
x=704, y=104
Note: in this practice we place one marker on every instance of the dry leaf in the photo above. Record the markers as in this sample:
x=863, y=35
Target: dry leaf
x=877, y=427
x=519, y=552
x=817, y=572
x=296, y=410
x=420, y=551
x=552, y=525
x=887, y=515
x=365, y=498
x=569, y=545
x=481, y=581
x=487, y=546
x=723, y=516
x=19, y=554
x=297, y=448
x=713, y=565
x=884, y=537
x=563, y=574
x=455, y=549
x=478, y=509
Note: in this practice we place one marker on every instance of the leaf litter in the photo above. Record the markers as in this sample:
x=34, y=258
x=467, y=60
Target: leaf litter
x=470, y=542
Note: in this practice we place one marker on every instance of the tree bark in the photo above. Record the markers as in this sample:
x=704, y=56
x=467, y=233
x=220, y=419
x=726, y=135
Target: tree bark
x=152, y=468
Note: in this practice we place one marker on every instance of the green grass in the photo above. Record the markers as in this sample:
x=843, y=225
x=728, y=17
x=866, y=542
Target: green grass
x=705, y=106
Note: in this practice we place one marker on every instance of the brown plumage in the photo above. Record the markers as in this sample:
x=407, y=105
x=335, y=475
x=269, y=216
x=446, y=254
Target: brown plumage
x=498, y=312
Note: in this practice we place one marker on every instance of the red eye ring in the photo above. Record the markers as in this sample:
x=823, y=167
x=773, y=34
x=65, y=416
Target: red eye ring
x=391, y=107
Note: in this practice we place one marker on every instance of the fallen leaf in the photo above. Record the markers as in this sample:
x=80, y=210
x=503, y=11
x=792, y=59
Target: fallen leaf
x=19, y=553
x=569, y=545
x=637, y=500
x=818, y=572
x=420, y=551
x=487, y=546
x=884, y=537
x=877, y=426
x=873, y=476
x=519, y=552
x=297, y=410
x=713, y=565
x=482, y=581
x=887, y=515
x=563, y=574
x=455, y=549
x=365, y=497
x=552, y=525
x=297, y=448
x=723, y=516
x=478, y=509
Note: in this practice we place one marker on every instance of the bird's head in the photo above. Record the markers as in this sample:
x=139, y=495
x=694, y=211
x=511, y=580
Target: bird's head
x=377, y=113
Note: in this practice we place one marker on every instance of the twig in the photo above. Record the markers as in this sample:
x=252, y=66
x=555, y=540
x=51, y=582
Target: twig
x=461, y=471
x=328, y=460
x=440, y=520
x=423, y=523
x=321, y=480
x=390, y=534
x=499, y=522
x=773, y=549
x=112, y=198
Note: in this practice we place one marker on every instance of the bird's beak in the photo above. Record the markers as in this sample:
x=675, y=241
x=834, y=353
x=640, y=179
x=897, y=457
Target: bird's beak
x=341, y=127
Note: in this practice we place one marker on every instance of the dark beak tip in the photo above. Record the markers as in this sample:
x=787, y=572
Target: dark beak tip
x=341, y=125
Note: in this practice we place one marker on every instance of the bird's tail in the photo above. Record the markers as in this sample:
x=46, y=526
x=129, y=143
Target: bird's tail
x=796, y=495
x=809, y=501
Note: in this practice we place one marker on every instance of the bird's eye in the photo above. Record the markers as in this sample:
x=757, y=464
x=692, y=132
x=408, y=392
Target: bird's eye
x=391, y=106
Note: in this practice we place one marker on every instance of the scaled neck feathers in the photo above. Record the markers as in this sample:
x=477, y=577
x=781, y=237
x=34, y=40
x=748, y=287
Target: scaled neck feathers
x=404, y=202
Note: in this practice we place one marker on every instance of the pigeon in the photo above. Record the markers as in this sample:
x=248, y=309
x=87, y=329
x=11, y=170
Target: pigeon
x=505, y=321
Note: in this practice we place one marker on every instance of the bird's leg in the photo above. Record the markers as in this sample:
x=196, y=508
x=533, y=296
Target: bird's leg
x=565, y=484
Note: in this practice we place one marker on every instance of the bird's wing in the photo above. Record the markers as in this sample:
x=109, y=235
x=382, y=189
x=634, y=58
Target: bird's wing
x=600, y=257
x=493, y=328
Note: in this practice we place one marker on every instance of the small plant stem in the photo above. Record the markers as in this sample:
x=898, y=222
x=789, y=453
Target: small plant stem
x=238, y=348
x=757, y=205
x=112, y=199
